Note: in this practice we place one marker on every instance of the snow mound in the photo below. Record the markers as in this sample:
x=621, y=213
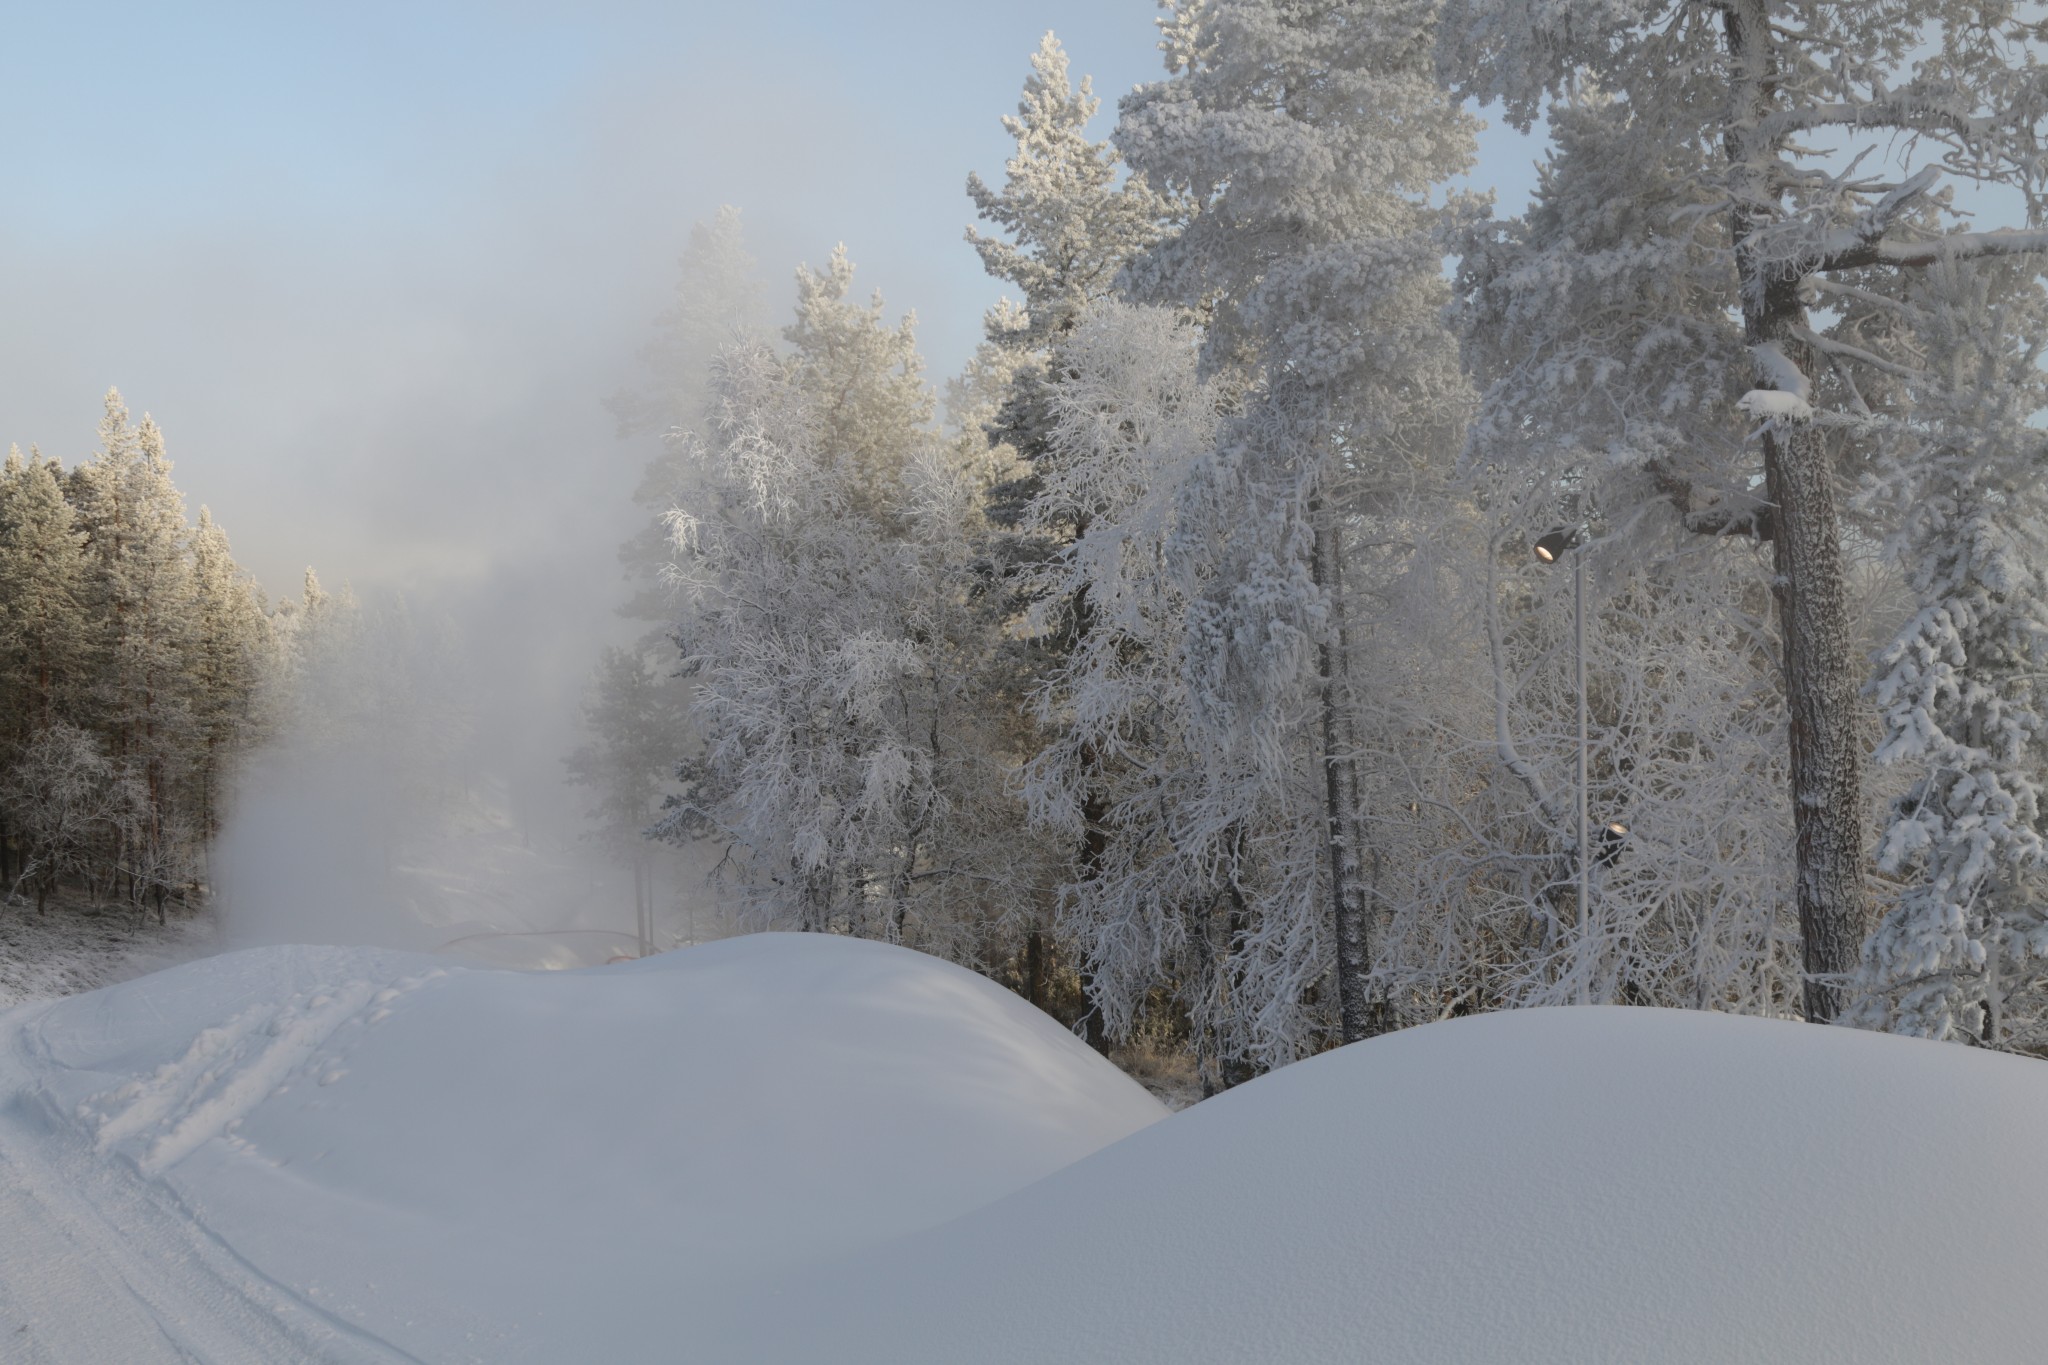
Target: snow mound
x=457, y=1163
x=1575, y=1186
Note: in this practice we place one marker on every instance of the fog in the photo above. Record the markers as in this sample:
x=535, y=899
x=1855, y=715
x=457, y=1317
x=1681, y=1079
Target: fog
x=375, y=276
x=375, y=272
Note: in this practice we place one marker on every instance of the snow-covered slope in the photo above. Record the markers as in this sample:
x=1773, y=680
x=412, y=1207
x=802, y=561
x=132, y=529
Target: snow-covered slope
x=1576, y=1185
x=803, y=1149
x=294, y=1153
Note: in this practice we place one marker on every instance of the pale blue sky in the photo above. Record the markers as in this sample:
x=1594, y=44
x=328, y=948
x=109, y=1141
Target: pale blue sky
x=329, y=244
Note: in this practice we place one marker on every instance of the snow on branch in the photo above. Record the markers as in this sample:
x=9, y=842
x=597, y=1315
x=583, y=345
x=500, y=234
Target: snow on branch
x=1844, y=350
x=1789, y=397
x=1961, y=246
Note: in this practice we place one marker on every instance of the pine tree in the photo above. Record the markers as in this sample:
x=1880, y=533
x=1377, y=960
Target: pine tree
x=1307, y=138
x=43, y=636
x=139, y=587
x=1070, y=225
x=42, y=625
x=865, y=380
x=1071, y=228
x=1738, y=98
x=1961, y=685
x=229, y=654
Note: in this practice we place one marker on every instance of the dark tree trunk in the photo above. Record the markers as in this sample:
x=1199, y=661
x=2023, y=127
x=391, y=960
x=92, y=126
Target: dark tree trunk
x=1034, y=968
x=1094, y=844
x=1821, y=675
x=1350, y=912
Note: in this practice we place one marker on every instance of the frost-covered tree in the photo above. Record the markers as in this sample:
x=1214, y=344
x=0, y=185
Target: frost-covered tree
x=229, y=651
x=1071, y=222
x=68, y=801
x=44, y=642
x=1961, y=685
x=1604, y=328
x=1804, y=140
x=834, y=641
x=1307, y=140
x=809, y=763
x=1131, y=422
x=122, y=624
x=139, y=591
x=865, y=380
x=717, y=301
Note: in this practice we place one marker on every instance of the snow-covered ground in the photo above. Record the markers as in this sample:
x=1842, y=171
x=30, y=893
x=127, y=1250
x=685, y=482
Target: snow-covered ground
x=322, y=1153
x=74, y=945
x=789, y=1148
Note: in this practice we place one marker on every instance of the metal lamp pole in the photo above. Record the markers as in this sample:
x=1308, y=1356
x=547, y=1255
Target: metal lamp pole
x=1548, y=549
x=1579, y=653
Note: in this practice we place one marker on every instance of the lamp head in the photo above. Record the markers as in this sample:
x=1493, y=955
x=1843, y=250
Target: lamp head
x=1550, y=546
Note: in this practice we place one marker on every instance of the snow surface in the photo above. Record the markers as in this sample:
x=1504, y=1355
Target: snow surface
x=328, y=1153
x=805, y=1149
x=1567, y=1185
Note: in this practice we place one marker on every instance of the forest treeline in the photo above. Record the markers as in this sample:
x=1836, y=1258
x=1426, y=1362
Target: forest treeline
x=1325, y=604
x=140, y=667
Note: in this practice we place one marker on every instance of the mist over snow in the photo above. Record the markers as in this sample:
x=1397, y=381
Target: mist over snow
x=376, y=272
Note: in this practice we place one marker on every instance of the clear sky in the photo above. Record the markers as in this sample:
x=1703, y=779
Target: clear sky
x=374, y=266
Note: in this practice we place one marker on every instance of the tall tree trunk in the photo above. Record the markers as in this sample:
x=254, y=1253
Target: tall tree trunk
x=1034, y=967
x=1094, y=844
x=1349, y=910
x=1821, y=682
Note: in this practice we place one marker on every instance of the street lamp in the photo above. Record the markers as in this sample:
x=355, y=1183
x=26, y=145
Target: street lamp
x=1611, y=840
x=1551, y=547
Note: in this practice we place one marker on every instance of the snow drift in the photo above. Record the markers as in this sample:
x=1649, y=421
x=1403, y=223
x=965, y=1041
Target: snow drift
x=804, y=1149
x=1567, y=1185
x=465, y=1164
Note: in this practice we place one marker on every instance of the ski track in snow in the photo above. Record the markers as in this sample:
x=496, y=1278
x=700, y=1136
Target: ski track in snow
x=229, y=1070
x=101, y=1260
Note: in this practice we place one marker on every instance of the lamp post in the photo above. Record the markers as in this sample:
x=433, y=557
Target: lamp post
x=1549, y=548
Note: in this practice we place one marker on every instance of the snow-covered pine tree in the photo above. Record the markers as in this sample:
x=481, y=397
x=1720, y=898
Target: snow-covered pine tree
x=717, y=302
x=1131, y=420
x=1961, y=685
x=230, y=650
x=796, y=664
x=43, y=632
x=865, y=380
x=139, y=591
x=42, y=566
x=1814, y=134
x=1308, y=138
x=1071, y=223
